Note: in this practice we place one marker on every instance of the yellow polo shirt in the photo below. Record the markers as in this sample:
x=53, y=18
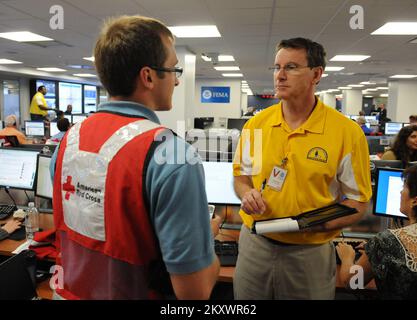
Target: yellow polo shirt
x=38, y=99
x=327, y=159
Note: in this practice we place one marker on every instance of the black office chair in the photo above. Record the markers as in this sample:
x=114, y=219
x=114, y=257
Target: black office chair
x=17, y=277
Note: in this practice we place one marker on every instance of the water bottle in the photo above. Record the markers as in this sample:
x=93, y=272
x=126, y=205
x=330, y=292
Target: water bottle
x=32, y=221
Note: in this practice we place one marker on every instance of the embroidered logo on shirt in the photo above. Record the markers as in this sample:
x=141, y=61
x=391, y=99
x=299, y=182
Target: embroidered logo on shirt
x=317, y=154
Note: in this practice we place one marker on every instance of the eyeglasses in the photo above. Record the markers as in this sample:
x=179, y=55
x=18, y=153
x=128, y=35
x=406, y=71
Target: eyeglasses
x=290, y=68
x=178, y=70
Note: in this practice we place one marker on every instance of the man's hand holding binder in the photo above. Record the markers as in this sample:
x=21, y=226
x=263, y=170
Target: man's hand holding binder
x=313, y=220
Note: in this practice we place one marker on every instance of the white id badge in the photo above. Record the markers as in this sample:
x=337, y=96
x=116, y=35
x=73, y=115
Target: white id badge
x=277, y=178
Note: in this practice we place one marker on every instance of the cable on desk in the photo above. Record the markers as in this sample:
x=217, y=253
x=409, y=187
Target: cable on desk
x=8, y=192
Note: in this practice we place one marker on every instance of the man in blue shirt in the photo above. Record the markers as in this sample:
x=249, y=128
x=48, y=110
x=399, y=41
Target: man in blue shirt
x=141, y=81
x=362, y=123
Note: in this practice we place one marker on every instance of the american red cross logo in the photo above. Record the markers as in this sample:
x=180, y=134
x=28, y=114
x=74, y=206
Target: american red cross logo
x=68, y=187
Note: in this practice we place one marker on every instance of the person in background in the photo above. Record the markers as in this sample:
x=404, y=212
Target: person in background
x=38, y=106
x=11, y=226
x=11, y=129
x=140, y=223
x=391, y=256
x=362, y=123
x=413, y=119
x=69, y=109
x=404, y=147
x=63, y=125
x=306, y=146
x=382, y=113
x=361, y=113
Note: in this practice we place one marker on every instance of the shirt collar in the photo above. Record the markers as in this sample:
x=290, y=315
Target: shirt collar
x=314, y=123
x=129, y=108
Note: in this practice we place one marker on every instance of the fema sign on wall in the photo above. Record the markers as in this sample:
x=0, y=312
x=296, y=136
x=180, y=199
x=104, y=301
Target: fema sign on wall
x=215, y=94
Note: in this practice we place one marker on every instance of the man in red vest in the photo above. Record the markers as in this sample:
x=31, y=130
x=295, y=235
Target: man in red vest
x=131, y=216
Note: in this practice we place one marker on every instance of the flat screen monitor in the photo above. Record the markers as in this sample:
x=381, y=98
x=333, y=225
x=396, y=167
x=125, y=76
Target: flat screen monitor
x=236, y=123
x=35, y=128
x=406, y=124
x=90, y=98
x=50, y=95
x=70, y=93
x=78, y=117
x=388, y=186
x=372, y=120
x=219, y=183
x=53, y=128
x=43, y=179
x=18, y=168
x=392, y=164
x=354, y=117
x=392, y=128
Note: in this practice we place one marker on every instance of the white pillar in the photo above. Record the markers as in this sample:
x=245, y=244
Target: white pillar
x=402, y=99
x=329, y=99
x=244, y=102
x=352, y=101
x=181, y=117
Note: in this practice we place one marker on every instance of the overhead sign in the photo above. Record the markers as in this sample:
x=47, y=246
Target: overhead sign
x=215, y=94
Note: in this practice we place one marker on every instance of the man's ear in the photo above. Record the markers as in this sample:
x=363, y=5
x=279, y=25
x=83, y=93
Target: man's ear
x=146, y=77
x=317, y=75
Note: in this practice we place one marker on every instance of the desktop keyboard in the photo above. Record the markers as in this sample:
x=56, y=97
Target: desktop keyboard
x=227, y=252
x=353, y=243
x=6, y=210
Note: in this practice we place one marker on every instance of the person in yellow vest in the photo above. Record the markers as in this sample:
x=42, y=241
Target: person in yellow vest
x=293, y=157
x=38, y=106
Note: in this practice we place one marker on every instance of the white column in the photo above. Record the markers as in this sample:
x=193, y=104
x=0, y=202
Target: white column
x=329, y=99
x=402, y=100
x=180, y=117
x=352, y=101
x=244, y=102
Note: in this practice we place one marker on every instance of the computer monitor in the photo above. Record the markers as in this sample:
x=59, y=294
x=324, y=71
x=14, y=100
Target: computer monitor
x=78, y=117
x=392, y=128
x=219, y=183
x=406, y=124
x=387, y=197
x=35, y=128
x=69, y=117
x=354, y=117
x=53, y=128
x=18, y=168
x=44, y=188
x=236, y=123
x=371, y=119
x=412, y=163
x=392, y=164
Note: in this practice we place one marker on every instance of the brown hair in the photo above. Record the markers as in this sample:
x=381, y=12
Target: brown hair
x=126, y=45
x=316, y=56
x=401, y=150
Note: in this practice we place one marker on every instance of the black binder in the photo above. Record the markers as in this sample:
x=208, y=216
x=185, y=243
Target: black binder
x=302, y=221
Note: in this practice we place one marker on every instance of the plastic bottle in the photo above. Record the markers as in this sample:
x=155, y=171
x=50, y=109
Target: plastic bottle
x=32, y=221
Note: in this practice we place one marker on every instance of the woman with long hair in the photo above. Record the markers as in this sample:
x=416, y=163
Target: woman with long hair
x=404, y=147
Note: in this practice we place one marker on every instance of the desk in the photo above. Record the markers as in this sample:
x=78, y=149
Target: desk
x=7, y=246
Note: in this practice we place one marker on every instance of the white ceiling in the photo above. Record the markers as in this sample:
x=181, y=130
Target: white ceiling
x=250, y=30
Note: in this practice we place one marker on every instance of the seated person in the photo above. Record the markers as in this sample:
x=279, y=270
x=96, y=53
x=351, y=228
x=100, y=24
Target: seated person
x=404, y=147
x=362, y=123
x=10, y=227
x=11, y=129
x=63, y=125
x=69, y=109
x=413, y=119
x=391, y=256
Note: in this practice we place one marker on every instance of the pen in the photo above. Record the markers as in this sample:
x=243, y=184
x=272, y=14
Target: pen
x=263, y=186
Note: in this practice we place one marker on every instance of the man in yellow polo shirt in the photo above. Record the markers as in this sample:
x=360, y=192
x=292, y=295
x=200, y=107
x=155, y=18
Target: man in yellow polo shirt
x=324, y=159
x=38, y=106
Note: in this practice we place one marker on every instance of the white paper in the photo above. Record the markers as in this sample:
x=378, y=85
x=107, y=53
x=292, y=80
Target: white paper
x=275, y=226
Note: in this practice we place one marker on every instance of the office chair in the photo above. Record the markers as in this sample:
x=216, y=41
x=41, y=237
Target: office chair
x=17, y=277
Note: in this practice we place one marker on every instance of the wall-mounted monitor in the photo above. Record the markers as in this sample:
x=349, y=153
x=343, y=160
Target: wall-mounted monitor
x=35, y=128
x=18, y=168
x=219, y=183
x=392, y=128
x=236, y=123
x=50, y=95
x=90, y=98
x=70, y=93
x=388, y=186
x=44, y=188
